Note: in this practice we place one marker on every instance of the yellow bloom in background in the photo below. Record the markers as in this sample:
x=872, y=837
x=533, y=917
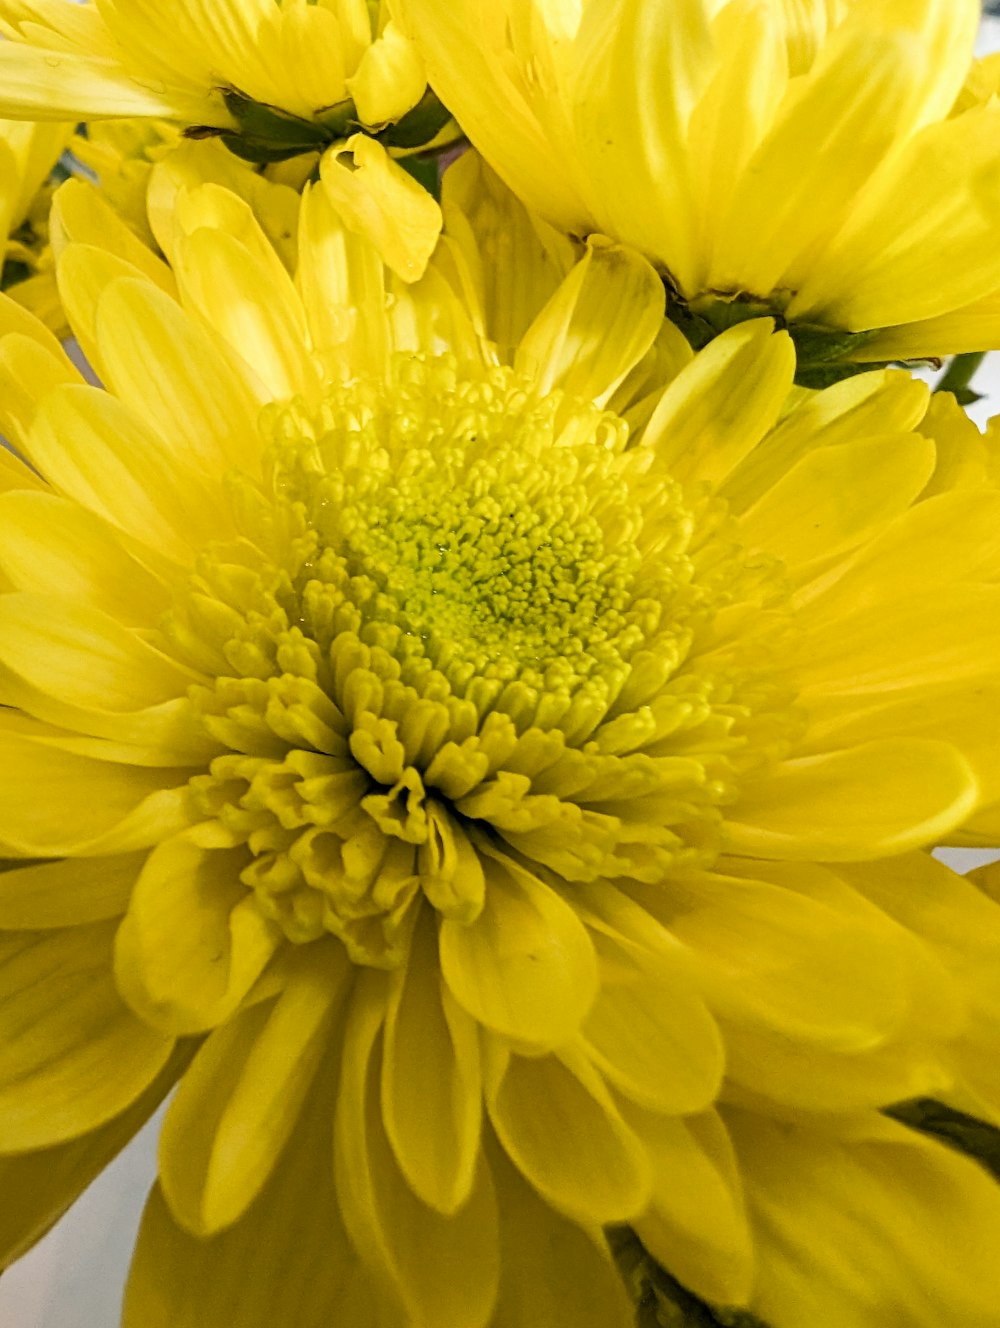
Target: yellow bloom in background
x=120, y=154
x=28, y=153
x=767, y=156
x=273, y=80
x=480, y=806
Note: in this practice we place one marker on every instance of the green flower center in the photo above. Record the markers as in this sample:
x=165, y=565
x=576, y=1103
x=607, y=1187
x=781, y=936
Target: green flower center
x=466, y=623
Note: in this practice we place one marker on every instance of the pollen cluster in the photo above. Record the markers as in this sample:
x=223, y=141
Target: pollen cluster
x=463, y=625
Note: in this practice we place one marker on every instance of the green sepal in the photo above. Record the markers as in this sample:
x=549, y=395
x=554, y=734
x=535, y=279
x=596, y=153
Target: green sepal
x=266, y=134
x=822, y=354
x=12, y=273
x=969, y=1135
x=425, y=171
x=660, y=1300
x=418, y=126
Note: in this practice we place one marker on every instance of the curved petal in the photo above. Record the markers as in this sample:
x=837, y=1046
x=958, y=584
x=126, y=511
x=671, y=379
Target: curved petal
x=597, y=326
x=817, y=508
x=159, y=362
x=649, y=1031
x=52, y=546
x=525, y=967
x=54, y=803
x=101, y=454
x=431, y=1086
x=909, y=1226
x=864, y=802
x=721, y=405
x=57, y=85
x=236, y=294
x=559, y=1125
x=67, y=893
x=443, y=1268
x=73, y=1055
x=240, y=1101
x=553, y=1272
x=287, y=1260
x=38, y=1187
x=193, y=942
x=379, y=200
x=696, y=1225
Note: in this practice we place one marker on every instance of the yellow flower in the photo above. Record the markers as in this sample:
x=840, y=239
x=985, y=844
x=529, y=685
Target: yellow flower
x=432, y=773
x=792, y=158
x=28, y=152
x=274, y=80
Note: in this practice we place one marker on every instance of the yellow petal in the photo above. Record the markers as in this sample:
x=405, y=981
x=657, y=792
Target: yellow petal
x=389, y=80
x=443, y=1269
x=83, y=657
x=53, y=85
x=596, y=327
x=54, y=802
x=952, y=537
x=28, y=371
x=834, y=129
x=431, y=1086
x=942, y=195
x=553, y=1272
x=80, y=215
x=864, y=406
x=772, y=957
x=649, y=1031
x=866, y=663
x=341, y=280
x=240, y=1100
x=525, y=967
x=635, y=73
x=67, y=893
x=720, y=406
x=817, y=508
x=54, y=547
x=379, y=200
x=910, y=1226
x=193, y=942
x=483, y=87
x=559, y=1125
x=38, y=1187
x=159, y=363
x=864, y=802
x=73, y=1055
x=285, y=1261
x=696, y=1224
x=96, y=451
x=738, y=105
x=972, y=327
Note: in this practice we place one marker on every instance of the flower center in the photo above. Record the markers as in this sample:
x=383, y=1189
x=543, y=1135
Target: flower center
x=462, y=623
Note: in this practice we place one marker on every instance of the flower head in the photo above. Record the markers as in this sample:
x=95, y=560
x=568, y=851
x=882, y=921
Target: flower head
x=273, y=80
x=796, y=159
x=429, y=762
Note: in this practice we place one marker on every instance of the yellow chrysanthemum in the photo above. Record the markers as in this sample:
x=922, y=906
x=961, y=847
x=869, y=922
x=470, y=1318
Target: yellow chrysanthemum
x=272, y=79
x=28, y=153
x=431, y=773
x=767, y=156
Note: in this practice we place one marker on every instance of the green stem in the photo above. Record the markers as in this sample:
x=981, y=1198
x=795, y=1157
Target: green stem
x=960, y=372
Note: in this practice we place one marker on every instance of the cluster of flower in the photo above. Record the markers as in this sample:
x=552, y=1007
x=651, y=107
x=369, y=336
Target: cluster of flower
x=488, y=646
